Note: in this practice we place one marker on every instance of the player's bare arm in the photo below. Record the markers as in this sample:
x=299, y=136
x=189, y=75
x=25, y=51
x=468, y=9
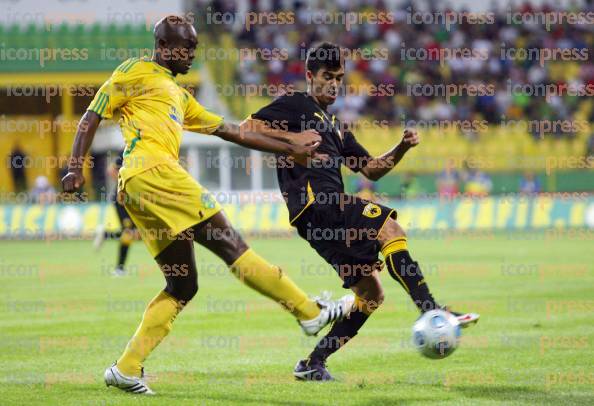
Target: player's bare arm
x=87, y=127
x=304, y=138
x=246, y=137
x=381, y=165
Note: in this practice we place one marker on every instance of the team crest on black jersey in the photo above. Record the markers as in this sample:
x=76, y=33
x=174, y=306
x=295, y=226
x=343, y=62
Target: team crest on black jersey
x=372, y=210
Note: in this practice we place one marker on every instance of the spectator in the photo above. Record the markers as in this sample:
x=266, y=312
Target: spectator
x=366, y=189
x=500, y=68
x=410, y=187
x=17, y=169
x=476, y=182
x=529, y=184
x=43, y=192
x=448, y=183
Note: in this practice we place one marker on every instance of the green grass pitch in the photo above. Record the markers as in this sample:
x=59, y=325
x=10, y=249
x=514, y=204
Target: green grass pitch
x=64, y=319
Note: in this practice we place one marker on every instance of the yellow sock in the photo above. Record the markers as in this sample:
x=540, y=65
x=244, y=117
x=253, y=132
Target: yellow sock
x=270, y=281
x=155, y=325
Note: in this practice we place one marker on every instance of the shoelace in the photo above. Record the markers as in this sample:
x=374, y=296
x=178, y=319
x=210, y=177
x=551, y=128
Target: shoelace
x=334, y=309
x=325, y=296
x=335, y=312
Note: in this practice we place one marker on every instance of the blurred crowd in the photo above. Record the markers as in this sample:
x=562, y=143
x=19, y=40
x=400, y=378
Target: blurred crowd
x=450, y=183
x=512, y=80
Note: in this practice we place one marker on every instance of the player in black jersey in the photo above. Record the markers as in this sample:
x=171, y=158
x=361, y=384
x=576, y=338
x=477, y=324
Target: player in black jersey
x=348, y=232
x=128, y=234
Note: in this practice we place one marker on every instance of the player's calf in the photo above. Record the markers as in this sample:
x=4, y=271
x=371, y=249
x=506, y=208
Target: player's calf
x=369, y=296
x=403, y=268
x=218, y=235
x=178, y=265
x=407, y=272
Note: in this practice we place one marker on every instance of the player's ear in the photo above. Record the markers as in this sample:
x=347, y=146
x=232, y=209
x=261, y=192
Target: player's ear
x=308, y=75
x=161, y=43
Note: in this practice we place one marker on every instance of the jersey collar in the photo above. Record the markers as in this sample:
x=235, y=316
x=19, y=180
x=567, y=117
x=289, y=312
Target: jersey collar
x=160, y=68
x=325, y=116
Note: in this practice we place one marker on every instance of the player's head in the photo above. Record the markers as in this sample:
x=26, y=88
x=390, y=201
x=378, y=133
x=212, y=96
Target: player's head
x=324, y=72
x=175, y=43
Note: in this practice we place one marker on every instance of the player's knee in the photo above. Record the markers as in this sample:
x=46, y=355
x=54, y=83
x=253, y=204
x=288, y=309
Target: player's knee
x=371, y=303
x=396, y=230
x=390, y=231
x=182, y=291
x=192, y=291
x=380, y=297
x=185, y=295
x=377, y=297
x=241, y=246
x=235, y=248
x=370, y=296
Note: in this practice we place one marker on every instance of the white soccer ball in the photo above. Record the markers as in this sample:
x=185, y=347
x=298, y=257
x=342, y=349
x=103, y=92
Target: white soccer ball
x=70, y=221
x=436, y=334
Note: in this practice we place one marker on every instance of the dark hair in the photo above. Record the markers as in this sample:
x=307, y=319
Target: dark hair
x=325, y=55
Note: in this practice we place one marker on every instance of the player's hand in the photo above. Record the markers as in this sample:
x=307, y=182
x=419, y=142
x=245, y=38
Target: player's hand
x=307, y=138
x=410, y=139
x=317, y=157
x=303, y=153
x=72, y=181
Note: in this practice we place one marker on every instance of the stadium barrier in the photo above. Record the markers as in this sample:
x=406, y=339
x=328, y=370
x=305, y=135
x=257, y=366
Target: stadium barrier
x=512, y=212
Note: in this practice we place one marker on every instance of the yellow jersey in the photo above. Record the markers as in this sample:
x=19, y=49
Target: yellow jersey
x=154, y=110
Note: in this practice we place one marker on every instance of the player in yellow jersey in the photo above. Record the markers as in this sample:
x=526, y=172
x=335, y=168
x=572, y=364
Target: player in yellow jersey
x=171, y=210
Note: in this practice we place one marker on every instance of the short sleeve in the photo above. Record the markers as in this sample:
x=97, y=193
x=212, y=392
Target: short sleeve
x=355, y=155
x=276, y=113
x=114, y=93
x=198, y=119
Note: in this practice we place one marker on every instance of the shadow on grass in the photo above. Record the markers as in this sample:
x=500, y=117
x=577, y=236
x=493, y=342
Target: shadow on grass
x=521, y=394
x=242, y=399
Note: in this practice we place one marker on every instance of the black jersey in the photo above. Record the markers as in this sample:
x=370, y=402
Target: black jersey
x=318, y=182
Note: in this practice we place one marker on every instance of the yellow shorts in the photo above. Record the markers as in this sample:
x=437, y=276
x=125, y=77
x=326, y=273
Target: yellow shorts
x=164, y=201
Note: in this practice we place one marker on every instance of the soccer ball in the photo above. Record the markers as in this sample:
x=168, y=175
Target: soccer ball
x=436, y=334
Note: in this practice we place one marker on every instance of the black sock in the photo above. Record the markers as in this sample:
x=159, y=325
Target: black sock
x=340, y=333
x=123, y=255
x=408, y=273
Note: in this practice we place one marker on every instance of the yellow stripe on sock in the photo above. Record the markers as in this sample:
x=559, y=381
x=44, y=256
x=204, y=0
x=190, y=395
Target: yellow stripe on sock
x=395, y=272
x=395, y=245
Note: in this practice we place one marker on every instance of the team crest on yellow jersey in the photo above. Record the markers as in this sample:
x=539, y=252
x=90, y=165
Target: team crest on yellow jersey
x=174, y=115
x=208, y=200
x=372, y=210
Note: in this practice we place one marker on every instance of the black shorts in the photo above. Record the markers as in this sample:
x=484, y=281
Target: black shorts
x=346, y=235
